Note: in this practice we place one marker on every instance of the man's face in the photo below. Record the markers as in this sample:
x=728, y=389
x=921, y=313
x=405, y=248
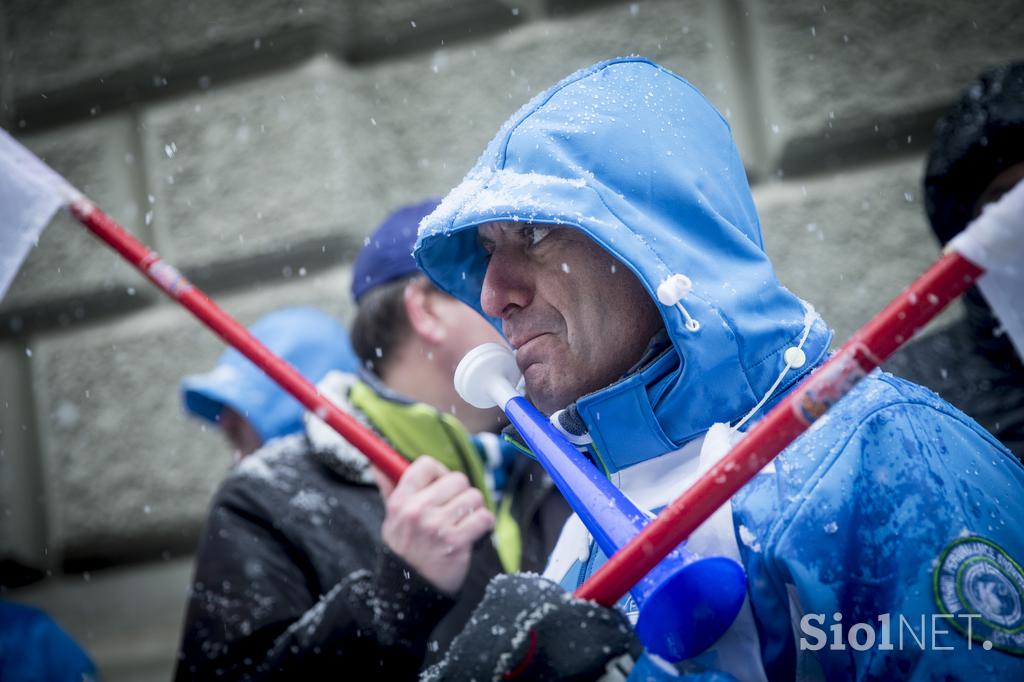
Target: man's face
x=240, y=433
x=442, y=329
x=465, y=329
x=577, y=318
x=999, y=186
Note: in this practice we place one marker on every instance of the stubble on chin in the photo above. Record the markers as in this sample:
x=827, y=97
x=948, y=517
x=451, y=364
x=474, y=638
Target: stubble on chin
x=543, y=390
x=536, y=387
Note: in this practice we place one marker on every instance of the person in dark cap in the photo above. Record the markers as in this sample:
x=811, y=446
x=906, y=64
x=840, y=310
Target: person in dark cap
x=304, y=571
x=243, y=402
x=410, y=337
x=408, y=333
x=977, y=156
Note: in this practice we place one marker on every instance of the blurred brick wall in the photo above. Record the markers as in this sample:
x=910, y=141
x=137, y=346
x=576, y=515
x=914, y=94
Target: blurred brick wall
x=254, y=144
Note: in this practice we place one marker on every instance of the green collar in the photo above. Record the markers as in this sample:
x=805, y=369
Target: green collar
x=416, y=429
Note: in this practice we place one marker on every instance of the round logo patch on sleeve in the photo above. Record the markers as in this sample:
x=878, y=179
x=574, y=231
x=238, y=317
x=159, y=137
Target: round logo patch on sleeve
x=977, y=577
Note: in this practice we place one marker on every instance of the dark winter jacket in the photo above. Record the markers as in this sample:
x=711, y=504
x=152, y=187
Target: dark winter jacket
x=973, y=367
x=977, y=139
x=292, y=579
x=538, y=510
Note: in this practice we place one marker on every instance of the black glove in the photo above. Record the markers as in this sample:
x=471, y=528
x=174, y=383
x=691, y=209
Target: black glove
x=529, y=628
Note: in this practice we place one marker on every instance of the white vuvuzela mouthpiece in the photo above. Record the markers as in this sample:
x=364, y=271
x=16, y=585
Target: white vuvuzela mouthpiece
x=487, y=376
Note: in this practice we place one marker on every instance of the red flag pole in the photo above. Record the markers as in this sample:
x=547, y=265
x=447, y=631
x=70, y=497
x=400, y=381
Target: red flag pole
x=944, y=281
x=174, y=284
x=869, y=347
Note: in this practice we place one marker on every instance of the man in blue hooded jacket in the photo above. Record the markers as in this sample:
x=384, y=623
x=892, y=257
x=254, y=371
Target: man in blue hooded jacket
x=609, y=230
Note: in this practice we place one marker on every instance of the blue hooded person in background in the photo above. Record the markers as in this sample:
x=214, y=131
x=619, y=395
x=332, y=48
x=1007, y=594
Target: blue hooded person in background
x=609, y=231
x=246, y=404
x=34, y=647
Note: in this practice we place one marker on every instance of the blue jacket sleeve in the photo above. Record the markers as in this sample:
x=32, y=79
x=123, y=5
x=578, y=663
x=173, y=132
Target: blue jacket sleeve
x=890, y=546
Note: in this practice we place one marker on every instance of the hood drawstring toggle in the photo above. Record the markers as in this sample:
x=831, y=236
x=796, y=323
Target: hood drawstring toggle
x=671, y=293
x=794, y=357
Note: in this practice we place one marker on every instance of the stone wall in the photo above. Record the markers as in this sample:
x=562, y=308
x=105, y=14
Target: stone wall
x=254, y=144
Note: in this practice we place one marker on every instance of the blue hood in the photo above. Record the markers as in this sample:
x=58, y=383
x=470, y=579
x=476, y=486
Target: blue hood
x=636, y=157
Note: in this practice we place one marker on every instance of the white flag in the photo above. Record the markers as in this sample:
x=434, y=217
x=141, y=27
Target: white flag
x=995, y=242
x=30, y=193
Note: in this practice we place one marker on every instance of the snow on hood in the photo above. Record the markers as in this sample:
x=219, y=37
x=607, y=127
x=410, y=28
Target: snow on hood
x=639, y=160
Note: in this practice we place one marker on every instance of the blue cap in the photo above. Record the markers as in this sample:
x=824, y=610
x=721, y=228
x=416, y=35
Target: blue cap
x=308, y=339
x=387, y=254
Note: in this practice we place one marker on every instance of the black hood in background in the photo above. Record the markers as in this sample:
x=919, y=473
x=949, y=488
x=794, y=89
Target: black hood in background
x=980, y=137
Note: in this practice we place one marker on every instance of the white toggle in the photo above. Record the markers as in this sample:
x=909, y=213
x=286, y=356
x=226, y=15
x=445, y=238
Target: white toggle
x=671, y=293
x=795, y=357
x=673, y=289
